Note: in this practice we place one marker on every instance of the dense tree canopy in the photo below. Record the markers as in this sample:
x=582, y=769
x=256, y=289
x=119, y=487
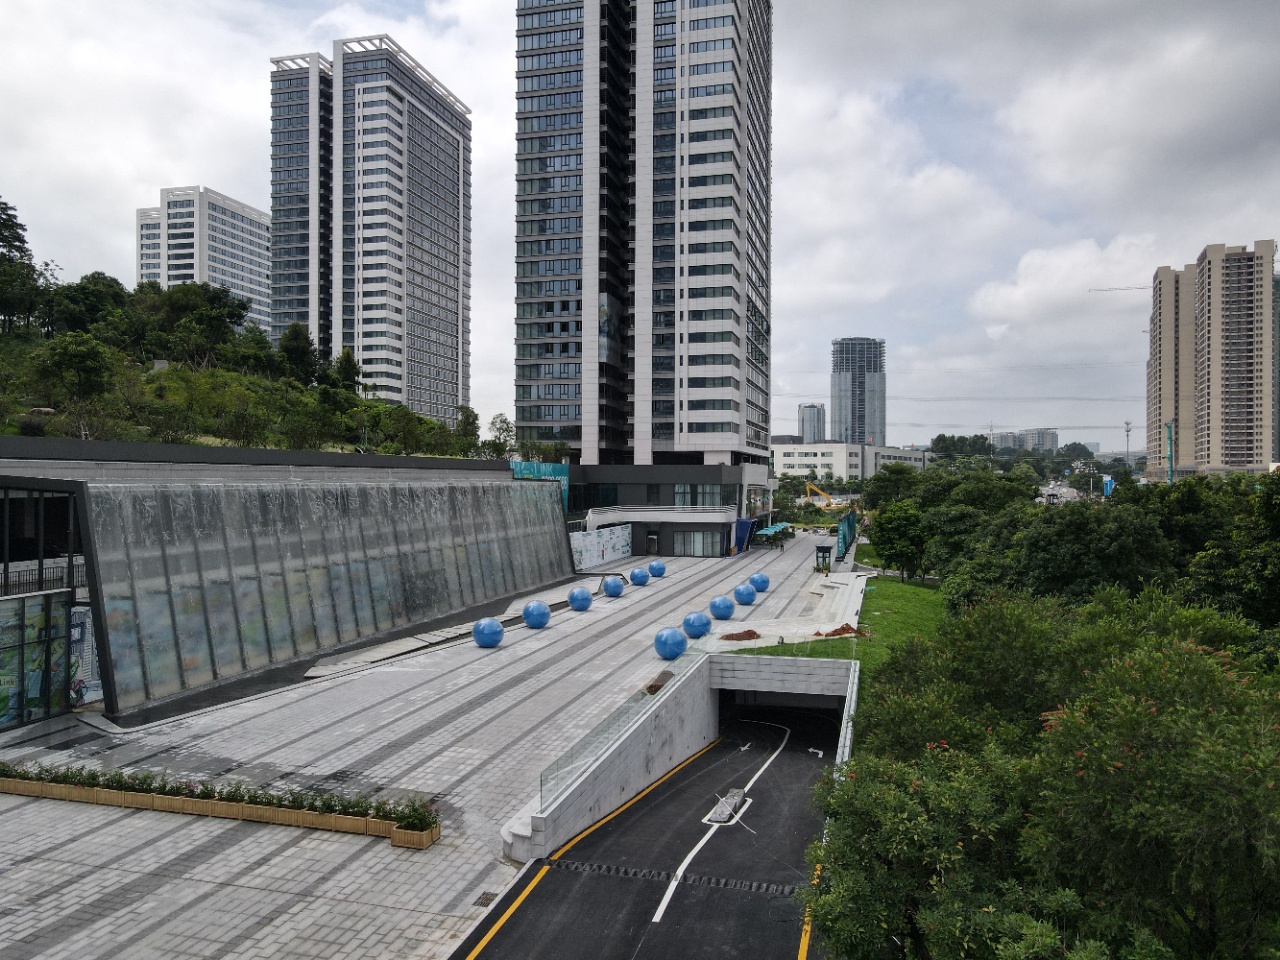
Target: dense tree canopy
x=1046, y=781
x=94, y=360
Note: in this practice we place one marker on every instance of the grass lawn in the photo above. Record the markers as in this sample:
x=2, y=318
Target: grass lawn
x=865, y=553
x=891, y=611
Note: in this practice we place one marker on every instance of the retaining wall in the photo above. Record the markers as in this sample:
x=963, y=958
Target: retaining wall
x=685, y=721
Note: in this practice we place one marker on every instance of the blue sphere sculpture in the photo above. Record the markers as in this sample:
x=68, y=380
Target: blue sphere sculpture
x=697, y=624
x=670, y=643
x=760, y=581
x=613, y=586
x=639, y=576
x=657, y=568
x=536, y=614
x=487, y=632
x=745, y=594
x=579, y=599
x=721, y=607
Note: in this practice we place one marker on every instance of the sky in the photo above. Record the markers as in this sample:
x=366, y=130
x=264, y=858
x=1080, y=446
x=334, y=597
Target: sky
x=954, y=178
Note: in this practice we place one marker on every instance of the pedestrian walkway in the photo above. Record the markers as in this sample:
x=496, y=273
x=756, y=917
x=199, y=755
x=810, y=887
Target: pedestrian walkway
x=471, y=728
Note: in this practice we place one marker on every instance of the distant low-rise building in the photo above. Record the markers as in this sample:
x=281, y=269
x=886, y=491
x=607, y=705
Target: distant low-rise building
x=1036, y=438
x=197, y=235
x=793, y=457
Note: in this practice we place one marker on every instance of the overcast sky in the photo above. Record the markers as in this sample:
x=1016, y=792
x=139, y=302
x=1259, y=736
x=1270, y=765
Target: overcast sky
x=951, y=177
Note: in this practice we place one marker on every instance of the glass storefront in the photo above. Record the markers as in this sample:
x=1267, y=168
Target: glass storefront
x=35, y=670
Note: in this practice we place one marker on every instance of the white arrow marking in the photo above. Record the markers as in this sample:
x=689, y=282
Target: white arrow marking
x=815, y=750
x=744, y=748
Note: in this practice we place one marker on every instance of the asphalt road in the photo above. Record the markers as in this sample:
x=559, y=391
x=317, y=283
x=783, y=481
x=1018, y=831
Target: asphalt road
x=656, y=881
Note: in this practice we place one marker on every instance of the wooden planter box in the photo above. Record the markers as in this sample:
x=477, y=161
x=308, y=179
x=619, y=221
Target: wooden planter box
x=286, y=817
x=379, y=828
x=350, y=824
x=21, y=788
x=200, y=808
x=161, y=801
x=226, y=810
x=109, y=798
x=67, y=791
x=139, y=801
x=414, y=839
x=317, y=821
x=257, y=813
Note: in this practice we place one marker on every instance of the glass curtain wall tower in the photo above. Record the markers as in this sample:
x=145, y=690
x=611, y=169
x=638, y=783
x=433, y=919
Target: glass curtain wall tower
x=302, y=197
x=390, y=257
x=857, y=390
x=643, y=200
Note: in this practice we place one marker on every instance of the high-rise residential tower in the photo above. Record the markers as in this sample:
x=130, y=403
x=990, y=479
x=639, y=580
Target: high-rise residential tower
x=811, y=422
x=643, y=210
x=198, y=235
x=857, y=390
x=1212, y=370
x=371, y=197
x=1171, y=372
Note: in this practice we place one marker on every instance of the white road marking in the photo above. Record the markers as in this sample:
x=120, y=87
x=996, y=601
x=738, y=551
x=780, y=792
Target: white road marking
x=817, y=751
x=679, y=875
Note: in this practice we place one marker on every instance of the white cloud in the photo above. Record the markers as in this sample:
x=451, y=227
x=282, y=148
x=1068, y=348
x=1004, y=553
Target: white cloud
x=951, y=177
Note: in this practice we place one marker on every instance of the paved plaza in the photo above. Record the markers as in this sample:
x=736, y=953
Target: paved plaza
x=471, y=728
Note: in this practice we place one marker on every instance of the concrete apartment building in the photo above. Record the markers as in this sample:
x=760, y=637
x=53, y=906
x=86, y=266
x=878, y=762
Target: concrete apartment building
x=371, y=199
x=1211, y=370
x=1035, y=438
x=197, y=235
x=795, y=457
x=1171, y=373
x=858, y=401
x=811, y=420
x=643, y=203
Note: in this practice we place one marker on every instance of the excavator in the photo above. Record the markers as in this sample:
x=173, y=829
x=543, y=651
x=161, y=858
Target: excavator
x=810, y=490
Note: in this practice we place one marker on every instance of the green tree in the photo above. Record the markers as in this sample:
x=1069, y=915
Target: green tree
x=898, y=534
x=893, y=482
x=466, y=435
x=298, y=353
x=347, y=370
x=1158, y=796
x=403, y=431
x=76, y=366
x=77, y=306
x=25, y=286
x=502, y=438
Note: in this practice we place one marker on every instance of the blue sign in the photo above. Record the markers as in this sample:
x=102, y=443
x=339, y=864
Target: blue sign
x=1108, y=484
x=528, y=470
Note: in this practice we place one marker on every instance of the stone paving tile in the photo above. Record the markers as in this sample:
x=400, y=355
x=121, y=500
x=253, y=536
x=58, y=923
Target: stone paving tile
x=474, y=727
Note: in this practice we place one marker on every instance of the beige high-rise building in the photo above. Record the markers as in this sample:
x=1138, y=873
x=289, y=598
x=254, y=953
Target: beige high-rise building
x=1212, y=368
x=1171, y=373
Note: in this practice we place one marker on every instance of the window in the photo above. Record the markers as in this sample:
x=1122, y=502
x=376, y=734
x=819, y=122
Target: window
x=696, y=543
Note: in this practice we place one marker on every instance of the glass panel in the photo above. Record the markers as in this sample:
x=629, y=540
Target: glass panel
x=353, y=502
x=144, y=528
x=106, y=509
x=299, y=538
x=187, y=594
x=35, y=682
x=265, y=509
x=58, y=679
x=10, y=686
x=238, y=507
x=215, y=568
